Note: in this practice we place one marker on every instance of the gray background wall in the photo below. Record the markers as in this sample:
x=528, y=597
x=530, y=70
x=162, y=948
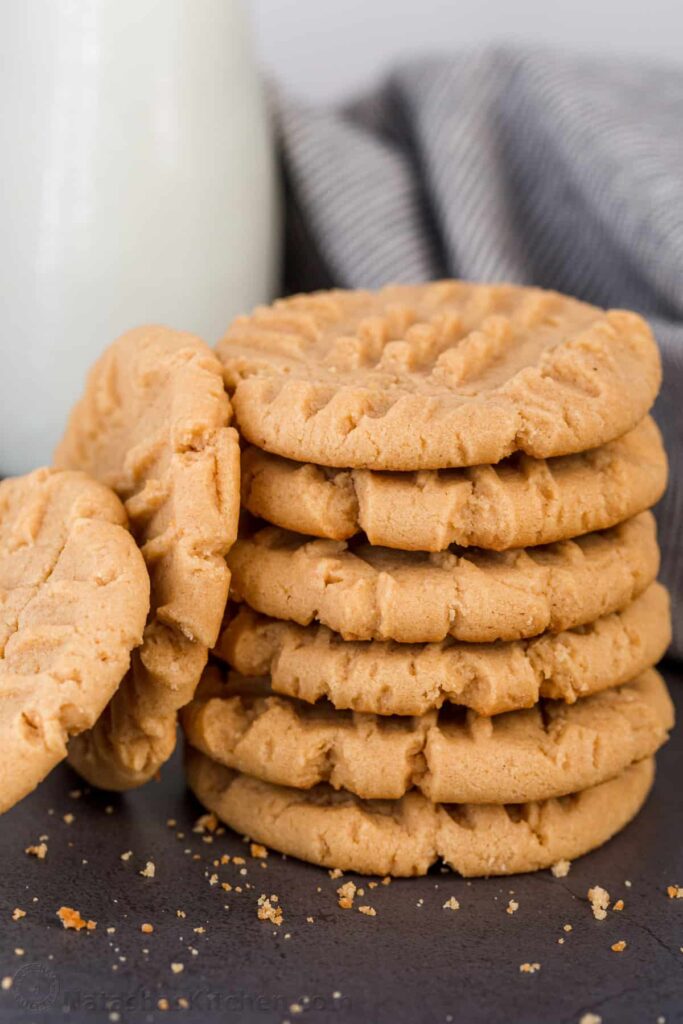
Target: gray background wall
x=322, y=50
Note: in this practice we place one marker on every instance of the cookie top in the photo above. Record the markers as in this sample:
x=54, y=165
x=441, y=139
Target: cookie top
x=312, y=663
x=153, y=425
x=74, y=596
x=406, y=836
x=520, y=502
x=371, y=593
x=452, y=756
x=437, y=375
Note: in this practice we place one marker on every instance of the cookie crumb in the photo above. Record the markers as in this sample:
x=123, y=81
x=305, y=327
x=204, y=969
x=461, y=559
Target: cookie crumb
x=346, y=894
x=269, y=909
x=183, y=1003
x=149, y=870
x=451, y=904
x=18, y=913
x=599, y=901
x=257, y=851
x=6, y=983
x=39, y=851
x=206, y=823
x=127, y=855
x=68, y=819
x=335, y=873
x=71, y=918
x=180, y=913
x=162, y=1004
x=591, y=1018
x=619, y=905
x=368, y=911
x=618, y=947
x=177, y=968
x=674, y=892
x=529, y=968
x=561, y=868
x=512, y=906
x=567, y=927
x=147, y=928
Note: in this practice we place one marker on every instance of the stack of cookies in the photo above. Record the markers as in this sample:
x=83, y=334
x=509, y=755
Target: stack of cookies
x=446, y=607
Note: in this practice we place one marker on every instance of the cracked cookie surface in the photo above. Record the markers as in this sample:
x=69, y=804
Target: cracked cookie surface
x=452, y=756
x=518, y=503
x=370, y=593
x=153, y=425
x=74, y=596
x=386, y=678
x=437, y=375
x=405, y=837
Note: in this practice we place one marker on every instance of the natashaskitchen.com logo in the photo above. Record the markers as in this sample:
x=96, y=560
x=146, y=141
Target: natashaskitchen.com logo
x=36, y=987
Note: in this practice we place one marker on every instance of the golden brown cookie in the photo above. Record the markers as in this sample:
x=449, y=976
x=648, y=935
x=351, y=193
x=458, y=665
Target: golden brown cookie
x=452, y=756
x=74, y=596
x=520, y=502
x=311, y=662
x=370, y=593
x=153, y=425
x=406, y=836
x=386, y=678
x=437, y=375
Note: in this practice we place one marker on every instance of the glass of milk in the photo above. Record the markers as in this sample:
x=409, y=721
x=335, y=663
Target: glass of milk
x=136, y=186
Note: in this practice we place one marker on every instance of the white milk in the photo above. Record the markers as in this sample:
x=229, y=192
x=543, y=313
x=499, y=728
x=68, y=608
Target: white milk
x=136, y=186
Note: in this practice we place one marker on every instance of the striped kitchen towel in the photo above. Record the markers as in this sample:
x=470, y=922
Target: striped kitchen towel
x=531, y=167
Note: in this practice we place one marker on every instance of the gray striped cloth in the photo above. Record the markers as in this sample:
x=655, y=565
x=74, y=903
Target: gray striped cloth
x=504, y=165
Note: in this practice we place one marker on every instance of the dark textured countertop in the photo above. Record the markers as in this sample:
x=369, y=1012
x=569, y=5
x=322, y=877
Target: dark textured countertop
x=413, y=962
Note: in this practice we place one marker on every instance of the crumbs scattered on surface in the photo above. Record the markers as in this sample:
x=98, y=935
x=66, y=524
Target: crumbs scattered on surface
x=451, y=904
x=71, y=918
x=599, y=901
x=618, y=947
x=18, y=913
x=257, y=851
x=675, y=892
x=561, y=868
x=269, y=909
x=368, y=911
x=149, y=870
x=335, y=873
x=529, y=968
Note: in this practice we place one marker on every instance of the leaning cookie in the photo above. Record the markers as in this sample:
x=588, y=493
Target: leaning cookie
x=369, y=593
x=153, y=425
x=406, y=836
x=312, y=662
x=520, y=502
x=437, y=375
x=74, y=596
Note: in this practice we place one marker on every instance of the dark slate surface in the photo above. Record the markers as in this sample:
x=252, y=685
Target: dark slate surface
x=413, y=962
